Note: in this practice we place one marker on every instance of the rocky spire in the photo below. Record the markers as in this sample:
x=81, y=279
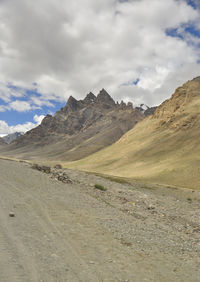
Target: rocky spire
x=90, y=98
x=122, y=105
x=104, y=98
x=72, y=104
x=46, y=120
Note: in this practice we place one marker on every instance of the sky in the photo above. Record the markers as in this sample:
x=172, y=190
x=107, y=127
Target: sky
x=138, y=50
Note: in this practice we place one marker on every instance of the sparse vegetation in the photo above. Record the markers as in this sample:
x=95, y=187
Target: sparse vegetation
x=117, y=179
x=100, y=187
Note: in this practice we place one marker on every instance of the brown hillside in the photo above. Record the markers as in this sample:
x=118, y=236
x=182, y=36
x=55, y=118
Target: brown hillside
x=163, y=148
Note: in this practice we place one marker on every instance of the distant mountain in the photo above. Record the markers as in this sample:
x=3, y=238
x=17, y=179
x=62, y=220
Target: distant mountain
x=11, y=137
x=163, y=148
x=146, y=110
x=2, y=141
x=77, y=130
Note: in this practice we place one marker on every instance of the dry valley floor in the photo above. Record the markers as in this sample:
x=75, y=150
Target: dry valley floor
x=74, y=232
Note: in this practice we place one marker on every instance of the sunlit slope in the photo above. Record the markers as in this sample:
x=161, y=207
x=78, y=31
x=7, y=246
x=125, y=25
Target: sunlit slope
x=164, y=148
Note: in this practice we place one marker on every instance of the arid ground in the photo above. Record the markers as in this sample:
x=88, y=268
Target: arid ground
x=74, y=232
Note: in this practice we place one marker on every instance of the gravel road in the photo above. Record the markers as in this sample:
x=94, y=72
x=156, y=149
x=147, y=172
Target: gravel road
x=74, y=232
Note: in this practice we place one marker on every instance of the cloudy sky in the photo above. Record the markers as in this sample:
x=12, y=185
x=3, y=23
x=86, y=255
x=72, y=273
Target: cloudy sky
x=138, y=50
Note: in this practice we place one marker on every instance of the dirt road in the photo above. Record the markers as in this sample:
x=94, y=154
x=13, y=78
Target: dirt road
x=73, y=232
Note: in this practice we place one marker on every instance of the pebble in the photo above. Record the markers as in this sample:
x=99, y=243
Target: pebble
x=11, y=214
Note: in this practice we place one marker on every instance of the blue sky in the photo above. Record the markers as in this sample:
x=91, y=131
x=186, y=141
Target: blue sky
x=49, y=50
x=18, y=115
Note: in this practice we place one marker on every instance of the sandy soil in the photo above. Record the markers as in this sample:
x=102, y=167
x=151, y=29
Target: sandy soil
x=73, y=232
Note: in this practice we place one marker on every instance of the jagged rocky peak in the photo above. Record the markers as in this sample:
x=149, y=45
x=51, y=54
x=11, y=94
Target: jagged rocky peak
x=104, y=98
x=72, y=103
x=90, y=98
x=122, y=105
x=130, y=105
x=46, y=119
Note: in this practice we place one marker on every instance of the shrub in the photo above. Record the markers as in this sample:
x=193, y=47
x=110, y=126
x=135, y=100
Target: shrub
x=100, y=187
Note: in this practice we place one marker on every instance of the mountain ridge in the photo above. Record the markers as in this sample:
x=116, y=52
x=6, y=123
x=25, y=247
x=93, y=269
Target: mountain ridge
x=78, y=129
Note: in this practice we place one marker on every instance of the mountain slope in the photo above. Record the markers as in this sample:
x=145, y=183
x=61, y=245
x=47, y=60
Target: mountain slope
x=163, y=148
x=77, y=130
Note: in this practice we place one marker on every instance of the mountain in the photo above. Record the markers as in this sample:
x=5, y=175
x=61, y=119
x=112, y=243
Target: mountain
x=2, y=142
x=147, y=111
x=77, y=130
x=11, y=137
x=163, y=148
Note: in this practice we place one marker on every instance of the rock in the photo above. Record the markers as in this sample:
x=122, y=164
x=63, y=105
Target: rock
x=150, y=207
x=64, y=178
x=45, y=169
x=54, y=173
x=11, y=214
x=58, y=166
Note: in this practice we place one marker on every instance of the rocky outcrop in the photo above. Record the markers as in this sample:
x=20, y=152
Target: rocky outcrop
x=104, y=100
x=181, y=110
x=55, y=173
x=150, y=111
x=147, y=111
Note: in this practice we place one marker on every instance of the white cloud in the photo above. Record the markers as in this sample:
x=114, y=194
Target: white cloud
x=38, y=119
x=3, y=108
x=20, y=106
x=6, y=129
x=7, y=91
x=73, y=47
x=152, y=79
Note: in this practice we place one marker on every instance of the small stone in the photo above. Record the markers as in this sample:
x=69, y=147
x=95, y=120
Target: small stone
x=110, y=260
x=58, y=166
x=11, y=214
x=91, y=262
x=54, y=255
